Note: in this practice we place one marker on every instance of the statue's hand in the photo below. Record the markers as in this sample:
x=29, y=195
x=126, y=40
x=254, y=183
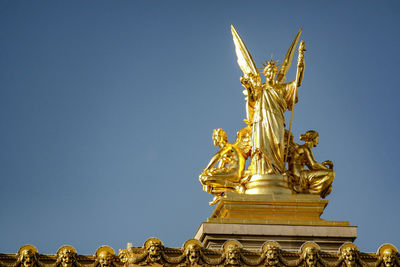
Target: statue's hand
x=211, y=171
x=207, y=172
x=300, y=63
x=328, y=164
x=245, y=81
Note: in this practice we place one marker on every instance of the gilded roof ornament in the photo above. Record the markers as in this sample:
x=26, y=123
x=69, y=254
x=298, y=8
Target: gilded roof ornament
x=66, y=257
x=231, y=253
x=105, y=257
x=27, y=256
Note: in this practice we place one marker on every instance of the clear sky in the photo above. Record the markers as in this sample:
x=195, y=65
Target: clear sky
x=107, y=110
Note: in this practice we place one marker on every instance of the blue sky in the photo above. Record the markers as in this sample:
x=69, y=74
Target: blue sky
x=107, y=110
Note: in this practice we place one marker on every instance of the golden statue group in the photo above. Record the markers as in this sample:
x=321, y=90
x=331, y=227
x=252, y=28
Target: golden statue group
x=265, y=140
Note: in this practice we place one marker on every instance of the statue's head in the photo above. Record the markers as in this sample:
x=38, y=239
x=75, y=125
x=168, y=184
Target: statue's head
x=388, y=254
x=271, y=252
x=349, y=254
x=66, y=256
x=154, y=248
x=105, y=256
x=310, y=136
x=192, y=249
x=232, y=251
x=219, y=137
x=27, y=256
x=270, y=69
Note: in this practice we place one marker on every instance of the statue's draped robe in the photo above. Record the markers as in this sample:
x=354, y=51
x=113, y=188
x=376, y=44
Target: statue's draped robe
x=268, y=126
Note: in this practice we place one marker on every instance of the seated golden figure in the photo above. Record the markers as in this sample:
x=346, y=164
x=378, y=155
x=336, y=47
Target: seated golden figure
x=226, y=168
x=317, y=178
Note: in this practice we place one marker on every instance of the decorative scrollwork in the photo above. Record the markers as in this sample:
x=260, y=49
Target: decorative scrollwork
x=193, y=254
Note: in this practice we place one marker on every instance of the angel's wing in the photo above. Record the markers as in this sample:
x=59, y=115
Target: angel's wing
x=288, y=60
x=244, y=59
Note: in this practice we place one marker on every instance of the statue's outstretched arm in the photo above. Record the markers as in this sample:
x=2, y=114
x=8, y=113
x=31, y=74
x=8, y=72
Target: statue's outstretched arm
x=217, y=156
x=300, y=63
x=250, y=83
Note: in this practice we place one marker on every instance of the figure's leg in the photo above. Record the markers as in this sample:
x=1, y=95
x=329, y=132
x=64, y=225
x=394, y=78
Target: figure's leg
x=319, y=181
x=326, y=192
x=204, y=181
x=217, y=186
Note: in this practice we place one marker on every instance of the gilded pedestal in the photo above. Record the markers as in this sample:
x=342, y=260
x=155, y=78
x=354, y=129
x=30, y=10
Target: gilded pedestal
x=290, y=219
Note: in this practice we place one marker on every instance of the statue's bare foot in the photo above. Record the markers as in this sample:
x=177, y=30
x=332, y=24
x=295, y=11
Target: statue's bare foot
x=240, y=189
x=215, y=200
x=270, y=171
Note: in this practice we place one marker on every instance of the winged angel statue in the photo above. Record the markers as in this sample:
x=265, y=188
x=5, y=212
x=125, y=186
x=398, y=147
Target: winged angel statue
x=266, y=103
x=266, y=145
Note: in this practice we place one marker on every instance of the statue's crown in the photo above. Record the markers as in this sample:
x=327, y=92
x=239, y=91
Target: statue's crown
x=271, y=64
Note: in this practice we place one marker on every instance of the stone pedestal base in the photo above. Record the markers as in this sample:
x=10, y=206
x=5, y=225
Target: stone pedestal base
x=289, y=219
x=289, y=237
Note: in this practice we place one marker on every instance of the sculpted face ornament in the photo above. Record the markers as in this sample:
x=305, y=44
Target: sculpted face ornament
x=67, y=260
x=272, y=257
x=350, y=257
x=271, y=252
x=349, y=254
x=154, y=248
x=193, y=253
x=233, y=255
x=232, y=250
x=105, y=259
x=387, y=254
x=66, y=256
x=27, y=256
x=311, y=256
x=105, y=256
x=388, y=257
